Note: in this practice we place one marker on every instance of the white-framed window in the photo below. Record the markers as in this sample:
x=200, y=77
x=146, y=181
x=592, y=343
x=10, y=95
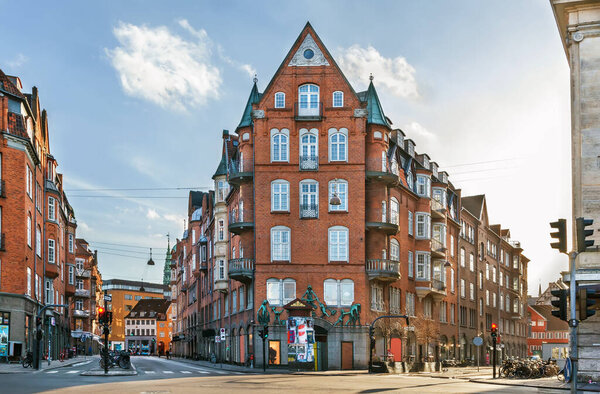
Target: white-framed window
x=234, y=302
x=49, y=291
x=472, y=262
x=410, y=304
x=338, y=243
x=51, y=251
x=29, y=230
x=29, y=281
x=423, y=265
x=71, y=243
x=338, y=99
x=281, y=291
x=29, y=180
x=220, y=231
x=494, y=273
x=395, y=300
x=463, y=257
x=452, y=245
x=462, y=288
x=439, y=233
x=452, y=288
x=494, y=303
x=51, y=208
x=410, y=264
x=507, y=304
x=71, y=275
x=443, y=312
x=394, y=250
x=377, y=303
x=309, y=197
x=439, y=195
x=79, y=305
x=339, y=187
x=423, y=185
x=309, y=147
x=338, y=144
x=410, y=223
x=501, y=301
x=481, y=279
x=338, y=292
x=279, y=100
x=471, y=291
x=280, y=195
x=410, y=180
x=242, y=298
x=222, y=190
x=423, y=225
x=308, y=96
x=394, y=211
x=280, y=243
x=280, y=145
x=427, y=307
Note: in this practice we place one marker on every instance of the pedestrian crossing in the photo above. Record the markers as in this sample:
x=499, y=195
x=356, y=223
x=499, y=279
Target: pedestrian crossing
x=142, y=371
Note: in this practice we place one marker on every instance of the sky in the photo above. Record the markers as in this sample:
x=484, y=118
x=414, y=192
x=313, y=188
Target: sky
x=138, y=93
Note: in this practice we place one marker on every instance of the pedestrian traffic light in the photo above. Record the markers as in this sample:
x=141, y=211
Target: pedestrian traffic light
x=582, y=242
x=108, y=317
x=38, y=321
x=261, y=333
x=561, y=304
x=101, y=315
x=586, y=298
x=494, y=330
x=560, y=235
x=266, y=332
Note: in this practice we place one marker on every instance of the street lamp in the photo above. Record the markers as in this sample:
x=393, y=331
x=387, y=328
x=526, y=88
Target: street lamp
x=150, y=262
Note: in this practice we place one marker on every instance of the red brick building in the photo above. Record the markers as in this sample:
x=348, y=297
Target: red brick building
x=37, y=226
x=318, y=197
x=548, y=335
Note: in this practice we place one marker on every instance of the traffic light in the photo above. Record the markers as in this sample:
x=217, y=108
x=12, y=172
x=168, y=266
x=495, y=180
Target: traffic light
x=108, y=317
x=586, y=298
x=101, y=315
x=261, y=333
x=560, y=235
x=38, y=321
x=494, y=330
x=266, y=332
x=561, y=304
x=582, y=234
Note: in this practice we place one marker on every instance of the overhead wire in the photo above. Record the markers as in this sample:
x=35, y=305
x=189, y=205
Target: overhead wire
x=125, y=245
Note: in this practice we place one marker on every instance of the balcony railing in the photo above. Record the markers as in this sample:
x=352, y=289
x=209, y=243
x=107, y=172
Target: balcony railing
x=309, y=211
x=83, y=273
x=438, y=285
x=437, y=206
x=241, y=269
x=240, y=170
x=309, y=163
x=240, y=220
x=81, y=313
x=383, y=269
x=386, y=223
x=82, y=293
x=438, y=247
x=2, y=188
x=381, y=169
x=308, y=114
x=2, y=242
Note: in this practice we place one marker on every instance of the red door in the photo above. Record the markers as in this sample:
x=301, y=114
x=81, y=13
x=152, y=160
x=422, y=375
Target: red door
x=347, y=355
x=396, y=348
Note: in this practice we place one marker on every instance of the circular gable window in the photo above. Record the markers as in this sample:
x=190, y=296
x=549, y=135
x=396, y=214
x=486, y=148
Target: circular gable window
x=308, y=54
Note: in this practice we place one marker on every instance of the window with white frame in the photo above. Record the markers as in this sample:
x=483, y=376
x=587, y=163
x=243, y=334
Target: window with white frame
x=308, y=96
x=423, y=185
x=410, y=223
x=462, y=288
x=49, y=291
x=494, y=302
x=463, y=257
x=481, y=279
x=309, y=148
x=71, y=275
x=452, y=288
x=471, y=291
x=423, y=225
x=309, y=197
x=338, y=292
x=507, y=304
x=280, y=145
x=423, y=265
x=338, y=243
x=394, y=211
x=28, y=230
x=79, y=305
x=443, y=312
x=339, y=187
x=220, y=230
x=222, y=190
x=29, y=181
x=494, y=274
x=280, y=195
x=281, y=291
x=377, y=303
x=452, y=245
x=395, y=300
x=51, y=208
x=410, y=264
x=394, y=250
x=280, y=243
x=501, y=301
x=279, y=100
x=338, y=145
x=516, y=262
x=29, y=281
x=472, y=262
x=338, y=99
x=71, y=243
x=51, y=251
x=427, y=307
x=410, y=304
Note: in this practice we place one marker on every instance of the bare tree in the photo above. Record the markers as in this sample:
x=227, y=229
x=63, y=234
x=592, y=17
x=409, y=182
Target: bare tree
x=387, y=327
x=426, y=330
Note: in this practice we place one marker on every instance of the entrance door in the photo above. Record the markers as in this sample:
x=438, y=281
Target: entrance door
x=396, y=348
x=321, y=345
x=347, y=355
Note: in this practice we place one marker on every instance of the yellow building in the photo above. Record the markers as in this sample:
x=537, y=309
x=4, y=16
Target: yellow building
x=125, y=294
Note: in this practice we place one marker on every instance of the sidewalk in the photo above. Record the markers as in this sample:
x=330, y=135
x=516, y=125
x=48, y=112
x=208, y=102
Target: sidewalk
x=18, y=368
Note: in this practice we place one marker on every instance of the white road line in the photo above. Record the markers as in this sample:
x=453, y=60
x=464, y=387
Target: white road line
x=72, y=371
x=52, y=372
x=149, y=371
x=186, y=372
x=167, y=371
x=202, y=371
x=82, y=363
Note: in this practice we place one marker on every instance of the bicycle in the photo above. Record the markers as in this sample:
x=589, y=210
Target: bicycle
x=27, y=360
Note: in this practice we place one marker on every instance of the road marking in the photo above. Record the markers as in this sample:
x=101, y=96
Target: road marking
x=202, y=371
x=72, y=371
x=186, y=372
x=149, y=371
x=52, y=372
x=82, y=363
x=167, y=371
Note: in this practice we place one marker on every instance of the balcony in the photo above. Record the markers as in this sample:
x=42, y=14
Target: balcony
x=381, y=170
x=382, y=269
x=2, y=242
x=309, y=211
x=240, y=171
x=81, y=313
x=309, y=163
x=240, y=221
x=82, y=293
x=387, y=225
x=69, y=290
x=52, y=270
x=302, y=112
x=221, y=285
x=83, y=273
x=437, y=248
x=241, y=270
x=438, y=210
x=433, y=287
x=2, y=189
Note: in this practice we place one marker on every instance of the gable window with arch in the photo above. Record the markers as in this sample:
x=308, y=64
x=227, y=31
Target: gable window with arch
x=338, y=145
x=280, y=291
x=308, y=97
x=309, y=199
x=309, y=150
x=338, y=243
x=279, y=100
x=280, y=195
x=338, y=292
x=340, y=188
x=280, y=243
x=280, y=145
x=338, y=99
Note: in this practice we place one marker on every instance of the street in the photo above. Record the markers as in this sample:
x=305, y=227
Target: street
x=162, y=376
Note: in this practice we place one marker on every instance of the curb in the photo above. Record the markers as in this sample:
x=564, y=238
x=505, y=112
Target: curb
x=515, y=384
x=115, y=372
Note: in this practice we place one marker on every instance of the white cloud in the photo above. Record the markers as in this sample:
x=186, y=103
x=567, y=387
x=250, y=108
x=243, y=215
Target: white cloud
x=18, y=61
x=417, y=132
x=247, y=68
x=152, y=214
x=396, y=75
x=160, y=66
x=174, y=218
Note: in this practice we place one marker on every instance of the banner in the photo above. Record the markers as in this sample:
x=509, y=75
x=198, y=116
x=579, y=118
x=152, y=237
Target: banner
x=301, y=339
x=4, y=340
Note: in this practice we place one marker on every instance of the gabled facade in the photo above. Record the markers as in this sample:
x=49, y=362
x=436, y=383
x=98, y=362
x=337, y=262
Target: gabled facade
x=548, y=335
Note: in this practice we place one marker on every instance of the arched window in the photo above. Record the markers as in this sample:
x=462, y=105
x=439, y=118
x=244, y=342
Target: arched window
x=338, y=292
x=279, y=100
x=280, y=195
x=308, y=96
x=280, y=243
x=338, y=99
x=309, y=149
x=338, y=147
x=309, y=199
x=330, y=292
x=394, y=250
x=281, y=292
x=280, y=145
x=340, y=188
x=347, y=292
x=338, y=243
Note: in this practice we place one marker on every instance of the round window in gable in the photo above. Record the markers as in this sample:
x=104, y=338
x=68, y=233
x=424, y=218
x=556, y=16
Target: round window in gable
x=309, y=54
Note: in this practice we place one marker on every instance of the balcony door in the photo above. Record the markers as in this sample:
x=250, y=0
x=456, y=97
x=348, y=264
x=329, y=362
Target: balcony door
x=308, y=96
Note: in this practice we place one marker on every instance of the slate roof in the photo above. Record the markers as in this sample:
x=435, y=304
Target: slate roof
x=222, y=168
x=247, y=116
x=552, y=323
x=474, y=204
x=149, y=308
x=7, y=86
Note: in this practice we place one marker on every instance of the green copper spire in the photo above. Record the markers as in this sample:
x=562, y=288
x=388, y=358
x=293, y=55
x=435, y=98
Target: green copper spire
x=167, y=270
x=254, y=98
x=376, y=115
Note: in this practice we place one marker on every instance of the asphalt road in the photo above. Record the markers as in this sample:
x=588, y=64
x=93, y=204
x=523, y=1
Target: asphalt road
x=169, y=376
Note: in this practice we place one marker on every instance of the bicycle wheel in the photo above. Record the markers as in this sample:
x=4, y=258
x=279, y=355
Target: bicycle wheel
x=26, y=363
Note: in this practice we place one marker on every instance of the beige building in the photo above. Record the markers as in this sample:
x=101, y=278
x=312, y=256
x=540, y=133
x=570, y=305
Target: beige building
x=579, y=26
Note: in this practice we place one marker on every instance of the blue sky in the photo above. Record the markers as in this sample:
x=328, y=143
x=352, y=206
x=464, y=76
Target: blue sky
x=139, y=91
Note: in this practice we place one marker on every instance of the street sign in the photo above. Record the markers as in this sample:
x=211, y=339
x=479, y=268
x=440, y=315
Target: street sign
x=107, y=298
x=52, y=321
x=477, y=341
x=217, y=339
x=223, y=333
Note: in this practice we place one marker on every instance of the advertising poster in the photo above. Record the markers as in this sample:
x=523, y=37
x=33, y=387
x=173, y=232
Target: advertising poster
x=4, y=340
x=301, y=337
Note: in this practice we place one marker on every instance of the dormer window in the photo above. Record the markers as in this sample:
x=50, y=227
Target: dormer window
x=279, y=100
x=338, y=99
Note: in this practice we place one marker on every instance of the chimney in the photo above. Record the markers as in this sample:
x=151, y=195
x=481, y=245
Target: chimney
x=225, y=134
x=34, y=102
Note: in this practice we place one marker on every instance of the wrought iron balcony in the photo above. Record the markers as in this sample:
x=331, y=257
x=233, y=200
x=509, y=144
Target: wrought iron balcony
x=240, y=171
x=2, y=188
x=380, y=169
x=241, y=269
x=240, y=221
x=309, y=211
x=309, y=163
x=81, y=313
x=383, y=269
x=437, y=248
x=308, y=114
x=82, y=293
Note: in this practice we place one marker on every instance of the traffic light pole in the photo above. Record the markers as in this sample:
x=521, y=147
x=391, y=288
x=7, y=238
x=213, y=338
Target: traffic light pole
x=573, y=321
x=494, y=356
x=105, y=355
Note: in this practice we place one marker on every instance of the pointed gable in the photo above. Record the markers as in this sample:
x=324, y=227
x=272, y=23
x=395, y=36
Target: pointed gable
x=253, y=99
x=374, y=108
x=308, y=54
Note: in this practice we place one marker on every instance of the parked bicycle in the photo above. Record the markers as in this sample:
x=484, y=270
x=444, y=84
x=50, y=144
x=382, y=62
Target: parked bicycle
x=120, y=359
x=528, y=369
x=27, y=360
